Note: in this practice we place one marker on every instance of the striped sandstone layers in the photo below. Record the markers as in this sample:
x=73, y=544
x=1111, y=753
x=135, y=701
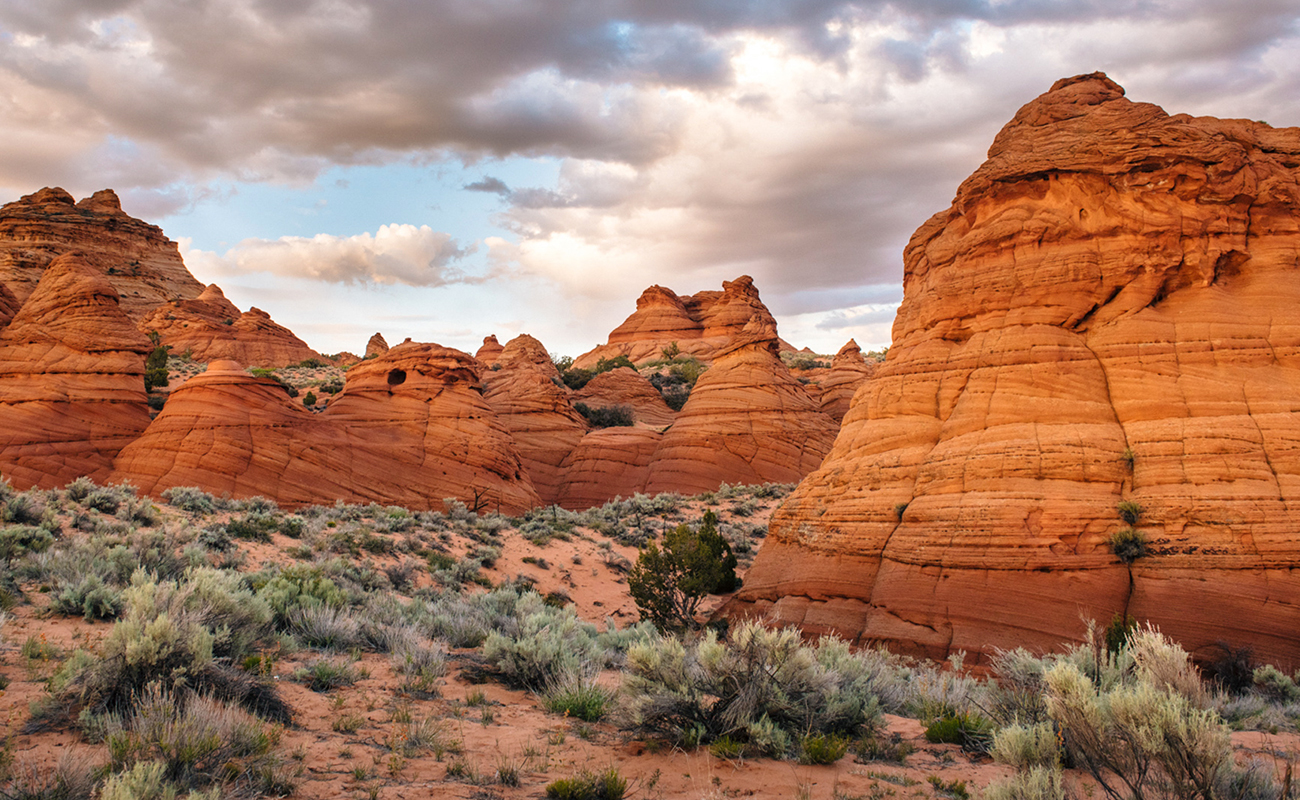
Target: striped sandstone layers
x=1109, y=311
x=410, y=428
x=71, y=379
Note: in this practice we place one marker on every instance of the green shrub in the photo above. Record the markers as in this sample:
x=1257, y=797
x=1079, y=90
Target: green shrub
x=547, y=647
x=22, y=509
x=325, y=627
x=190, y=498
x=606, y=416
x=90, y=597
x=323, y=675
x=178, y=637
x=1036, y=783
x=309, y=399
x=298, y=586
x=822, y=748
x=668, y=585
x=1276, y=685
x=971, y=731
x=577, y=698
x=1026, y=746
x=1128, y=545
x=18, y=540
x=1129, y=511
x=608, y=784
x=762, y=686
x=255, y=527
x=190, y=744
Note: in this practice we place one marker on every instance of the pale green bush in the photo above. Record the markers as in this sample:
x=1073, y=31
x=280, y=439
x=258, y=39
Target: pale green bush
x=761, y=686
x=1036, y=783
x=1026, y=746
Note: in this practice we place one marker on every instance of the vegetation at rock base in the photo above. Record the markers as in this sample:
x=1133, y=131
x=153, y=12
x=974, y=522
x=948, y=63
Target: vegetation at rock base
x=375, y=611
x=669, y=583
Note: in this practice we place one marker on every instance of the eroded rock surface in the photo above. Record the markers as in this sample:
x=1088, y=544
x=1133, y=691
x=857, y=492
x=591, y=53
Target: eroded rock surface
x=141, y=264
x=699, y=324
x=71, y=379
x=849, y=370
x=211, y=328
x=376, y=346
x=1107, y=312
x=410, y=428
x=533, y=404
x=748, y=420
x=626, y=387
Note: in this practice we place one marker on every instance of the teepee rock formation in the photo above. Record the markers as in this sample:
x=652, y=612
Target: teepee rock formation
x=699, y=324
x=376, y=346
x=211, y=328
x=1107, y=313
x=748, y=420
x=490, y=351
x=71, y=379
x=849, y=370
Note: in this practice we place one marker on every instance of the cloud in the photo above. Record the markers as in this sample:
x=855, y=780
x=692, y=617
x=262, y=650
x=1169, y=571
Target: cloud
x=395, y=254
x=490, y=185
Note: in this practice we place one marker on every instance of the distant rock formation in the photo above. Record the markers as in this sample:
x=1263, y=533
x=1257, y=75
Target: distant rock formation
x=699, y=324
x=410, y=428
x=1107, y=313
x=490, y=351
x=142, y=265
x=748, y=420
x=71, y=379
x=211, y=328
x=849, y=370
x=376, y=346
x=533, y=405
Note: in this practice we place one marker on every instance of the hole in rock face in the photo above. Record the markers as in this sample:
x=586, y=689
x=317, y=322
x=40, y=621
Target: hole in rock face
x=396, y=376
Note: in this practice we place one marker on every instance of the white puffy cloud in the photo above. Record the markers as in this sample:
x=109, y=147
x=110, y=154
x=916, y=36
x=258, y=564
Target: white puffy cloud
x=395, y=254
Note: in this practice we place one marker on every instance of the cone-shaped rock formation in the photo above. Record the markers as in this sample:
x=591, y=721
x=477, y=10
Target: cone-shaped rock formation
x=1107, y=313
x=211, y=328
x=71, y=379
x=849, y=370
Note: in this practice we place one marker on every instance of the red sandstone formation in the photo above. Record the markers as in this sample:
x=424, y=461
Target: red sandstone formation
x=608, y=463
x=1107, y=312
x=626, y=387
x=136, y=259
x=748, y=420
x=490, y=351
x=849, y=370
x=376, y=346
x=71, y=379
x=699, y=324
x=410, y=428
x=8, y=305
x=533, y=405
x=211, y=328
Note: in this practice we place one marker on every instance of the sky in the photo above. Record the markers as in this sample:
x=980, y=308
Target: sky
x=448, y=169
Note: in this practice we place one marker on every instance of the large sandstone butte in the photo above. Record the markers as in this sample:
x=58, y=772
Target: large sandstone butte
x=136, y=259
x=1109, y=311
x=699, y=324
x=410, y=428
x=71, y=380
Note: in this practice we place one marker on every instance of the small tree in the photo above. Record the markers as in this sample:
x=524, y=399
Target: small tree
x=668, y=585
x=309, y=400
x=155, y=365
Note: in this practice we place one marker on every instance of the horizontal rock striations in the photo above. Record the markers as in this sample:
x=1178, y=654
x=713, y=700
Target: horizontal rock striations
x=141, y=264
x=698, y=324
x=71, y=379
x=1107, y=313
x=211, y=328
x=410, y=428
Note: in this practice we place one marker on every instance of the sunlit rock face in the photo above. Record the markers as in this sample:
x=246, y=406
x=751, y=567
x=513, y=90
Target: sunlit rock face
x=748, y=420
x=71, y=379
x=1109, y=311
x=410, y=428
x=141, y=264
x=699, y=324
x=849, y=370
x=211, y=328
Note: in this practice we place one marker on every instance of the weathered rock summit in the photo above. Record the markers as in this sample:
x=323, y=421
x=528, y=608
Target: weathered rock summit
x=1108, y=312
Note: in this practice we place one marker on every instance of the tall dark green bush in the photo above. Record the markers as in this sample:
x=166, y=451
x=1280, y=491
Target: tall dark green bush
x=669, y=584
